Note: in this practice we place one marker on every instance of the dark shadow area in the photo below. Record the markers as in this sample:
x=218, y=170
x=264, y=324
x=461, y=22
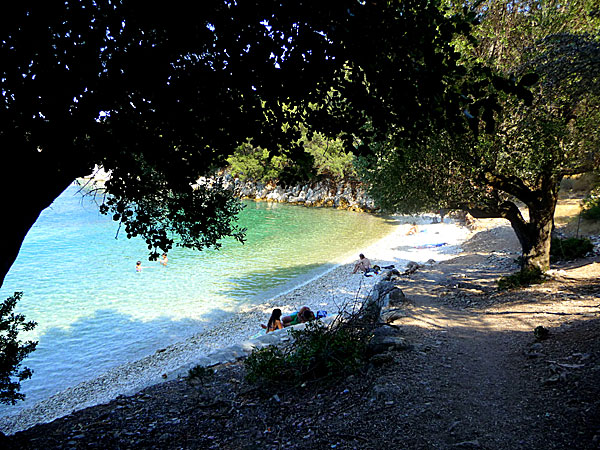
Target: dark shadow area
x=575, y=264
x=463, y=388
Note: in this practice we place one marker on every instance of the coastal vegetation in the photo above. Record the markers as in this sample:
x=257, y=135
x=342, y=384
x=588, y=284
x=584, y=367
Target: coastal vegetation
x=570, y=248
x=524, y=277
x=591, y=205
x=536, y=139
x=13, y=351
x=327, y=159
x=317, y=352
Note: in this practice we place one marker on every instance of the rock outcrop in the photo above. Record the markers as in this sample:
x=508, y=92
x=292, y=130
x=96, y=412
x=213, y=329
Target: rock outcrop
x=349, y=195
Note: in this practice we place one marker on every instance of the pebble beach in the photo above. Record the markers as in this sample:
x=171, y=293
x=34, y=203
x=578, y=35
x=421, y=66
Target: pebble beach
x=235, y=336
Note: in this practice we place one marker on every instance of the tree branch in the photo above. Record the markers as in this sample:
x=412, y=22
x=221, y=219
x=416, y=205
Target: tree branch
x=511, y=185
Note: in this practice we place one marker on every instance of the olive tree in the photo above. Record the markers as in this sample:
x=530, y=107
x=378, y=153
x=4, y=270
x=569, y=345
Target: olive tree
x=545, y=86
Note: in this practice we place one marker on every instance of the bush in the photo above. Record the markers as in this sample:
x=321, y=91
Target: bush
x=13, y=351
x=250, y=163
x=569, y=249
x=318, y=351
x=524, y=277
x=321, y=156
x=330, y=158
x=199, y=374
x=267, y=363
x=591, y=206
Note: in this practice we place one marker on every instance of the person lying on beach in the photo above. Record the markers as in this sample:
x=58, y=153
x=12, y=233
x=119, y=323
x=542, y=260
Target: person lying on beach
x=302, y=316
x=274, y=322
x=363, y=264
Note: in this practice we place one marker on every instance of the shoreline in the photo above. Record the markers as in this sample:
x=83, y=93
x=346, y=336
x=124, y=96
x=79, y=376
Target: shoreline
x=229, y=339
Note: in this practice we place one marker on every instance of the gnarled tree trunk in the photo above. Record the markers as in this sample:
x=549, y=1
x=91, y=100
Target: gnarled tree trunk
x=534, y=235
x=29, y=187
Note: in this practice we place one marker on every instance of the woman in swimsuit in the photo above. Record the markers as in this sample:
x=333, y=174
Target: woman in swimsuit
x=275, y=321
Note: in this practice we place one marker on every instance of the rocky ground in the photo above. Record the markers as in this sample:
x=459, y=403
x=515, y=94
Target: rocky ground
x=474, y=376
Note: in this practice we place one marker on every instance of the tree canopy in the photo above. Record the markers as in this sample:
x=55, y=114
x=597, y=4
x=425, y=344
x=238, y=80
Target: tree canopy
x=160, y=96
x=537, y=137
x=154, y=94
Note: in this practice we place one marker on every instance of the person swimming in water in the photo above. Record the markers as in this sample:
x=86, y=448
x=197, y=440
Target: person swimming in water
x=164, y=260
x=138, y=266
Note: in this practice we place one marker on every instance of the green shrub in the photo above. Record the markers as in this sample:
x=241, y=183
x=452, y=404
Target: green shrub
x=569, y=249
x=330, y=158
x=200, y=374
x=524, y=277
x=323, y=352
x=13, y=350
x=267, y=363
x=318, y=351
x=591, y=206
x=593, y=213
x=322, y=156
x=255, y=163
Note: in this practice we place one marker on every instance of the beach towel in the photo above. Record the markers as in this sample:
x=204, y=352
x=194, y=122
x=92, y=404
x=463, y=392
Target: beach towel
x=431, y=245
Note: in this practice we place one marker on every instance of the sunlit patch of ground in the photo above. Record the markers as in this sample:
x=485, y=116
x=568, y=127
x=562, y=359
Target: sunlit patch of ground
x=567, y=218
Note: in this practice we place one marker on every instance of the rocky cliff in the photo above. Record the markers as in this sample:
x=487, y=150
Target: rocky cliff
x=349, y=195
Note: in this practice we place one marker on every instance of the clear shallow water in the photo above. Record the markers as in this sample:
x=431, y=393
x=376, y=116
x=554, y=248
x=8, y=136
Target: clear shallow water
x=94, y=311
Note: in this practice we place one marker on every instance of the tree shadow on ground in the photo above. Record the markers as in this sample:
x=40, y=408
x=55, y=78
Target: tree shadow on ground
x=96, y=344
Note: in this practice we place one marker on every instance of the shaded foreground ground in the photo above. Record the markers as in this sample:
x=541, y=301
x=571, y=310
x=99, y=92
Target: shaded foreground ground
x=475, y=377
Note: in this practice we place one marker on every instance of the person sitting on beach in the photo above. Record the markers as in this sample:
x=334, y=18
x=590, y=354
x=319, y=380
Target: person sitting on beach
x=274, y=322
x=302, y=316
x=363, y=264
x=412, y=230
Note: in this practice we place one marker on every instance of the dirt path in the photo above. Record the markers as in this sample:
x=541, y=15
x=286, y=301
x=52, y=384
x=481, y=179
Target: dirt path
x=475, y=386
x=482, y=365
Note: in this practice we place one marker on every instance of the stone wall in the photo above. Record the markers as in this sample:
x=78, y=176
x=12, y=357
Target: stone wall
x=343, y=195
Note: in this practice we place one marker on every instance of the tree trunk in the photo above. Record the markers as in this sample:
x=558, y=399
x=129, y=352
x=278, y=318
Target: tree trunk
x=28, y=189
x=534, y=235
x=537, y=237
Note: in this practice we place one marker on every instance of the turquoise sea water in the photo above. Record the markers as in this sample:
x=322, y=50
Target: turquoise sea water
x=94, y=311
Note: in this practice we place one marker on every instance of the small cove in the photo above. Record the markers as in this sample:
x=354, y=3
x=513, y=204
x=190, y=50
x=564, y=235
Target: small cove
x=95, y=312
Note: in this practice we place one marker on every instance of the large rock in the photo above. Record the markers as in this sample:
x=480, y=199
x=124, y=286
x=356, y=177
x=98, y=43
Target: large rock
x=397, y=297
x=384, y=343
x=391, y=315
